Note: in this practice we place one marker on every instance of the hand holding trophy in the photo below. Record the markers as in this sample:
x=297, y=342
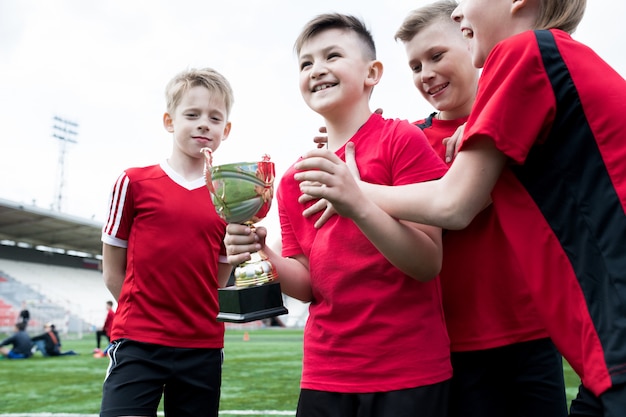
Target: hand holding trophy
x=242, y=193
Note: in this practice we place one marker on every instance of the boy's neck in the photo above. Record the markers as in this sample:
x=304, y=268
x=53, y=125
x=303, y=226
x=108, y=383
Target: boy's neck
x=341, y=128
x=189, y=168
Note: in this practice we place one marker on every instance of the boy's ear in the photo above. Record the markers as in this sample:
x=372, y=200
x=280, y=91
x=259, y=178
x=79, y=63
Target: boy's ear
x=226, y=131
x=517, y=5
x=168, y=123
x=374, y=74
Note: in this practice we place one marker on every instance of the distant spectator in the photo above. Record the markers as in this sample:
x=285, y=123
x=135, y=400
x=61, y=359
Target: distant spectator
x=49, y=342
x=106, y=328
x=20, y=341
x=24, y=315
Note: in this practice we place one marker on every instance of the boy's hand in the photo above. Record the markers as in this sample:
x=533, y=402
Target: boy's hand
x=321, y=204
x=240, y=240
x=324, y=175
x=321, y=141
x=453, y=142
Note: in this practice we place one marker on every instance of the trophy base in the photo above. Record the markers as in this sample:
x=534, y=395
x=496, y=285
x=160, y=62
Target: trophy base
x=242, y=305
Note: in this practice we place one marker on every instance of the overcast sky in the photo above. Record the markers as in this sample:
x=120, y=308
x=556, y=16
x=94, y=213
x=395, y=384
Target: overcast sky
x=104, y=66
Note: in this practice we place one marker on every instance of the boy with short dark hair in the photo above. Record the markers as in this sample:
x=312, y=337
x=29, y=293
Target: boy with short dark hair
x=375, y=342
x=163, y=261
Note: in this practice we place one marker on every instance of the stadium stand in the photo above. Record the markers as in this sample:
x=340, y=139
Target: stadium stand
x=72, y=298
x=51, y=261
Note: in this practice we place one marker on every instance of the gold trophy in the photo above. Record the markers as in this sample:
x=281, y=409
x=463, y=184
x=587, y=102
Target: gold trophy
x=242, y=193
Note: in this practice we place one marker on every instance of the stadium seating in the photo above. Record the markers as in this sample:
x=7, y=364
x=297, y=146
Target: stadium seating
x=54, y=293
x=74, y=298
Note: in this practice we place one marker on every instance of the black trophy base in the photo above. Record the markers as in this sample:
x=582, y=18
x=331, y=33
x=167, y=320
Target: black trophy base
x=242, y=305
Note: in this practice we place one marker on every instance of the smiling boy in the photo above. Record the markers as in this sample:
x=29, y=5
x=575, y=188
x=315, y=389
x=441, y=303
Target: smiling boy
x=375, y=342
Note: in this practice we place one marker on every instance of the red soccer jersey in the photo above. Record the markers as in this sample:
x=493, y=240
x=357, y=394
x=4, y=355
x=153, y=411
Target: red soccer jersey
x=371, y=328
x=556, y=109
x=173, y=237
x=108, y=322
x=486, y=300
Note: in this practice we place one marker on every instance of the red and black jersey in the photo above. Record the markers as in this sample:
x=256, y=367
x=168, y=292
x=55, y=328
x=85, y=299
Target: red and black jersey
x=557, y=110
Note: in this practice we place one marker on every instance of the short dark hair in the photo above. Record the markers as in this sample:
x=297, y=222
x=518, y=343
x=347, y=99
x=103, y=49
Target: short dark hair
x=20, y=326
x=328, y=21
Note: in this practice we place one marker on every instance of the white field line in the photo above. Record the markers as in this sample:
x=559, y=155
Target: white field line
x=222, y=413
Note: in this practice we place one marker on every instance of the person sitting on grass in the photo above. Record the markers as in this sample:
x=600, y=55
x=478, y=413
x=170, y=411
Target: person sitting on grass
x=49, y=342
x=20, y=341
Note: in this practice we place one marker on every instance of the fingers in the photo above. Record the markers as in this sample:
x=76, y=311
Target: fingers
x=453, y=143
x=235, y=260
x=240, y=241
x=315, y=163
x=449, y=144
x=321, y=141
x=328, y=213
x=317, y=207
x=351, y=161
x=320, y=153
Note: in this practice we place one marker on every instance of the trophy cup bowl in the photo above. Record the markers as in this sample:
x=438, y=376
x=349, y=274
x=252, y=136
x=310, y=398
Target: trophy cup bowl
x=242, y=193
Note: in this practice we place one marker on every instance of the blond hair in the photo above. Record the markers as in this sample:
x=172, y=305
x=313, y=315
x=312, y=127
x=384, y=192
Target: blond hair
x=328, y=21
x=212, y=80
x=560, y=14
x=420, y=18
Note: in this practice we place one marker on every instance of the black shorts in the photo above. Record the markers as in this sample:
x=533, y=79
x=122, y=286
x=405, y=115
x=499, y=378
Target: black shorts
x=139, y=374
x=519, y=380
x=426, y=401
x=611, y=403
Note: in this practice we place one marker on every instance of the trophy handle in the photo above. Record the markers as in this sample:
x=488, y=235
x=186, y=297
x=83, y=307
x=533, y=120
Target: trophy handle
x=208, y=165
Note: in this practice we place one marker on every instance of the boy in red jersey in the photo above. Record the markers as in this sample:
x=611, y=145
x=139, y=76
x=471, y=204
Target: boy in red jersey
x=545, y=137
x=491, y=319
x=163, y=261
x=375, y=342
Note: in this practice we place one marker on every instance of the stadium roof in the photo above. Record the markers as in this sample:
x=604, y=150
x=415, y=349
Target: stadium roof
x=36, y=227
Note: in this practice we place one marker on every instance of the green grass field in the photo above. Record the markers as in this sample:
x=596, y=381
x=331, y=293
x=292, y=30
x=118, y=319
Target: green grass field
x=261, y=377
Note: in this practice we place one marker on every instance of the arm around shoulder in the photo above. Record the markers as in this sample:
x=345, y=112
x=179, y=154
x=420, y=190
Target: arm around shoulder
x=452, y=201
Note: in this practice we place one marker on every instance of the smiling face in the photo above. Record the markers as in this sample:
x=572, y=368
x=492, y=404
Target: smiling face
x=442, y=68
x=199, y=121
x=333, y=70
x=484, y=23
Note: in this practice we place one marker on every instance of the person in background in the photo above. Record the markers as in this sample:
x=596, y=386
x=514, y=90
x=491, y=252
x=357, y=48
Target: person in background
x=20, y=342
x=544, y=135
x=24, y=315
x=375, y=342
x=49, y=342
x=106, y=328
x=164, y=260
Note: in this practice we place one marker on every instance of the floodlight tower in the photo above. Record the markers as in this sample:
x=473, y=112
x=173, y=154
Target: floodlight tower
x=65, y=131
